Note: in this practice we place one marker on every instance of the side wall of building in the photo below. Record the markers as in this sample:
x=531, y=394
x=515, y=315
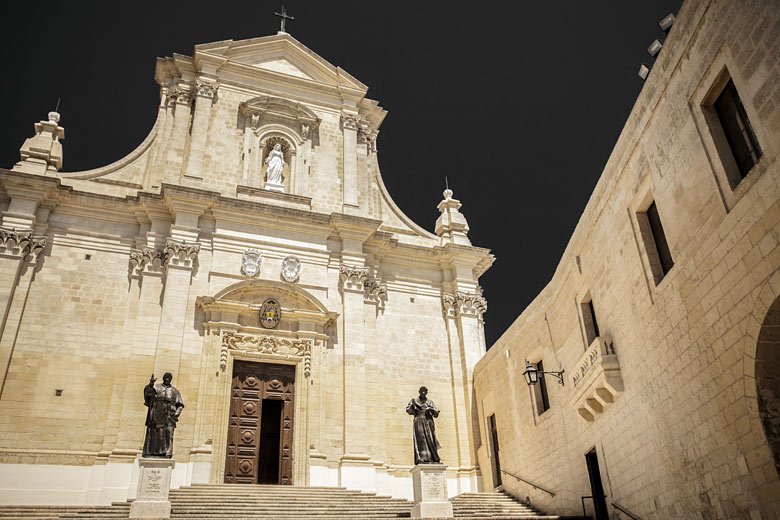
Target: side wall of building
x=666, y=394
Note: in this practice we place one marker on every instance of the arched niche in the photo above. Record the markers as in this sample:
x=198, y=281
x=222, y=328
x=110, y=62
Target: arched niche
x=267, y=118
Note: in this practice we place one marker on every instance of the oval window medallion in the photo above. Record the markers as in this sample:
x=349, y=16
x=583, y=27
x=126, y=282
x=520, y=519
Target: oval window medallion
x=291, y=268
x=270, y=313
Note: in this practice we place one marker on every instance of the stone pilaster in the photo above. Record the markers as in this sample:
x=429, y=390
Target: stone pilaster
x=349, y=128
x=179, y=259
x=146, y=267
x=156, y=172
x=463, y=315
x=205, y=92
x=181, y=96
x=19, y=253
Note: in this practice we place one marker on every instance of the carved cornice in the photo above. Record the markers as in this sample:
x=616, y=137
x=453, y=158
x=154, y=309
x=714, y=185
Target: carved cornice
x=180, y=253
x=353, y=277
x=21, y=243
x=206, y=89
x=286, y=348
x=349, y=121
x=467, y=304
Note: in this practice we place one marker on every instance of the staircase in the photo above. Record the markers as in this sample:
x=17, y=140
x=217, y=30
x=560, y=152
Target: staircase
x=236, y=501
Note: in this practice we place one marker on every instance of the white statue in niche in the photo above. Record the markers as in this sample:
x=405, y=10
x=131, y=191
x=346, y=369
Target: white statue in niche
x=275, y=162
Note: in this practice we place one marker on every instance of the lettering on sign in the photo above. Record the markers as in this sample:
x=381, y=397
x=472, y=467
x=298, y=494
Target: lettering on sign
x=153, y=483
x=433, y=487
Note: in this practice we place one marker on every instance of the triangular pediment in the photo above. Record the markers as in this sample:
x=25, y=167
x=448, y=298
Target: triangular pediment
x=279, y=54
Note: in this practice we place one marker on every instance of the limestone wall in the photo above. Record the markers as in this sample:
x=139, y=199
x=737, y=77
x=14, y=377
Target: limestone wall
x=670, y=403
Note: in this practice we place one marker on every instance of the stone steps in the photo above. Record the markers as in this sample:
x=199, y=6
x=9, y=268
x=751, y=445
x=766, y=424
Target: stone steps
x=244, y=501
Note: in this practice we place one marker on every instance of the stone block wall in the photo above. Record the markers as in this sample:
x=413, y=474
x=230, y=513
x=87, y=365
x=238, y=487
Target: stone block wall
x=680, y=432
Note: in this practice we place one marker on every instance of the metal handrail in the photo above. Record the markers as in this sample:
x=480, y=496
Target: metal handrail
x=626, y=511
x=551, y=493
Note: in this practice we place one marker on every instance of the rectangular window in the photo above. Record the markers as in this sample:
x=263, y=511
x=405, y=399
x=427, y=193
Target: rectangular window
x=738, y=132
x=659, y=237
x=653, y=237
x=589, y=322
x=540, y=392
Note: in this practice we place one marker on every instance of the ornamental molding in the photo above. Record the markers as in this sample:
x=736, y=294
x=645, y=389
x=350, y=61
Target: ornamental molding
x=21, y=243
x=466, y=304
x=206, y=89
x=180, y=253
x=353, y=278
x=283, y=348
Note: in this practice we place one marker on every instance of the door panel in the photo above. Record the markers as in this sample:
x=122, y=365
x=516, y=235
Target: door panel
x=253, y=383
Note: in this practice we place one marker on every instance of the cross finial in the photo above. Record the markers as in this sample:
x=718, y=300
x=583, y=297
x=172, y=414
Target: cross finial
x=283, y=15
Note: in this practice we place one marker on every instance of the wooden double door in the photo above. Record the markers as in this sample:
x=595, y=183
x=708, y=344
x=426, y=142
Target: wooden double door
x=260, y=429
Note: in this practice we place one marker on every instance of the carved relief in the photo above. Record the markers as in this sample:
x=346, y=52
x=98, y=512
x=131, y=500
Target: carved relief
x=270, y=109
x=286, y=348
x=180, y=253
x=367, y=135
x=21, y=243
x=375, y=292
x=353, y=277
x=147, y=259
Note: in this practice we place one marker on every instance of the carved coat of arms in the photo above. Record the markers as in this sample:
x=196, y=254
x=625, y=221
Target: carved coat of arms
x=270, y=313
x=250, y=262
x=291, y=268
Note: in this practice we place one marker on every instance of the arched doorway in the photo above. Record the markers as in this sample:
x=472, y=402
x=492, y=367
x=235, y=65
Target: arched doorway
x=768, y=379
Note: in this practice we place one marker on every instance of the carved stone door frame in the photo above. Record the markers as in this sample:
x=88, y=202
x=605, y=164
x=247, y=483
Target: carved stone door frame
x=243, y=351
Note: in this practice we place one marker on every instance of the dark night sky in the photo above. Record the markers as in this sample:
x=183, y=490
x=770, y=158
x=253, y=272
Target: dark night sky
x=518, y=103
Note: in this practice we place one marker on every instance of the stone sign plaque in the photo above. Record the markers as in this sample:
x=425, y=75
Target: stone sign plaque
x=433, y=486
x=430, y=491
x=154, y=483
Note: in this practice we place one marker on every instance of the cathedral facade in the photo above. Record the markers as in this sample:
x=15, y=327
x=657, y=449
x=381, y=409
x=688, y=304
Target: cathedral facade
x=249, y=247
x=660, y=329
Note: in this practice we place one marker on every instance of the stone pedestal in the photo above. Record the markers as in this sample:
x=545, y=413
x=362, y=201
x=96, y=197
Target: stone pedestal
x=274, y=186
x=154, y=483
x=430, y=492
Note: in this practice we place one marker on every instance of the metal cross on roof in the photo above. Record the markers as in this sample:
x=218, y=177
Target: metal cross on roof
x=284, y=17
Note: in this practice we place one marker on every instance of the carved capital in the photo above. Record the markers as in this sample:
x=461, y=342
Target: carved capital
x=353, y=278
x=367, y=135
x=375, y=292
x=272, y=345
x=466, y=304
x=21, y=243
x=180, y=253
x=146, y=260
x=206, y=89
x=180, y=94
x=349, y=122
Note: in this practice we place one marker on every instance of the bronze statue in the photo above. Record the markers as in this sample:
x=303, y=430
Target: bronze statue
x=165, y=405
x=426, y=445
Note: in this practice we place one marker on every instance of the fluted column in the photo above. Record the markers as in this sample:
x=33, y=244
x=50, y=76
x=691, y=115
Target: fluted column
x=205, y=91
